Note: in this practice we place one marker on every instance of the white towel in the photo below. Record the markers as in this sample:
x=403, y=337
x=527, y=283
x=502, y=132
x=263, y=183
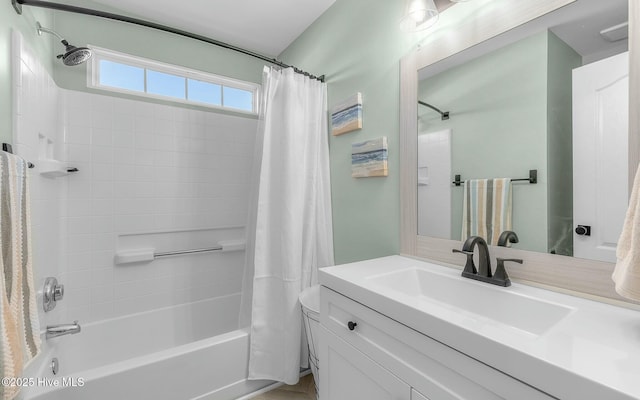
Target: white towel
x=19, y=327
x=626, y=274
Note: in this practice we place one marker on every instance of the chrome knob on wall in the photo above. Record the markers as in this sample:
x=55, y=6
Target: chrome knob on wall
x=51, y=293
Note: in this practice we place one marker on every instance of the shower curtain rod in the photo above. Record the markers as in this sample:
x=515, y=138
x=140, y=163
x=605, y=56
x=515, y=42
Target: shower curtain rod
x=17, y=5
x=444, y=114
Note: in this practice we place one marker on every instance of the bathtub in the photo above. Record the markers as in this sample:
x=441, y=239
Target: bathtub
x=190, y=351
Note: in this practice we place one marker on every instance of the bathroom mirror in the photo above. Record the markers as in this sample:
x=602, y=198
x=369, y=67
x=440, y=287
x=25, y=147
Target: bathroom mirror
x=520, y=106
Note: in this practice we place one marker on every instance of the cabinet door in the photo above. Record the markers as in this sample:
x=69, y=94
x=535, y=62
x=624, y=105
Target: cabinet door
x=417, y=396
x=347, y=374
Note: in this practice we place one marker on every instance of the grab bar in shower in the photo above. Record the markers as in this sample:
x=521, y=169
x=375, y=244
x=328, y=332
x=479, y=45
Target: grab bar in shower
x=139, y=255
x=179, y=252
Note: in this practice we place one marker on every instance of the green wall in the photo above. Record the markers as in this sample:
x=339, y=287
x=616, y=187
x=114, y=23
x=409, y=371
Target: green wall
x=560, y=144
x=357, y=44
x=26, y=24
x=498, y=106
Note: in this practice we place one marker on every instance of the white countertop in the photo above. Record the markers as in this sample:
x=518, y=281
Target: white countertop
x=592, y=353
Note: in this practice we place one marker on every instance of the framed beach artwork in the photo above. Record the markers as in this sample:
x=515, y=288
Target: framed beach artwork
x=369, y=158
x=347, y=116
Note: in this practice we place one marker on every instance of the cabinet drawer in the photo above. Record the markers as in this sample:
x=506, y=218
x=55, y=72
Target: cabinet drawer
x=432, y=368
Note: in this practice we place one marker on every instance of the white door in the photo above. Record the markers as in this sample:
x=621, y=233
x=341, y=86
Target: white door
x=600, y=160
x=347, y=374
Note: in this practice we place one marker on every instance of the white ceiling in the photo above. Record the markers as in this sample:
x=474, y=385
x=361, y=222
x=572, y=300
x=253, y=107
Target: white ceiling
x=577, y=24
x=266, y=27
x=582, y=31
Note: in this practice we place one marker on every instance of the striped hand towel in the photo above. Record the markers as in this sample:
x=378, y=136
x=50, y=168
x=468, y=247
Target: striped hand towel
x=487, y=209
x=19, y=327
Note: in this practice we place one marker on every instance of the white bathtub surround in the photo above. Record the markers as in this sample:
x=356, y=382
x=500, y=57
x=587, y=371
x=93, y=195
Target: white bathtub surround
x=293, y=223
x=122, y=358
x=151, y=176
x=626, y=274
x=143, y=168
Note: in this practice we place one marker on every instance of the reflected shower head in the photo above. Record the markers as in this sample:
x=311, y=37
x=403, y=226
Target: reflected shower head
x=72, y=55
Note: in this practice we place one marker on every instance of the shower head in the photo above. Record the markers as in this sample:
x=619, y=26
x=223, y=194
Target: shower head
x=72, y=55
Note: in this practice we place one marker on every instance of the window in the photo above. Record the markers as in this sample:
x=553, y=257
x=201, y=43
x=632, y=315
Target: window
x=123, y=73
x=204, y=92
x=121, y=76
x=165, y=84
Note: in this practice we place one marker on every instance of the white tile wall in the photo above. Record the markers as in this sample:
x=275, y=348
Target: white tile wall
x=150, y=168
x=35, y=114
x=143, y=168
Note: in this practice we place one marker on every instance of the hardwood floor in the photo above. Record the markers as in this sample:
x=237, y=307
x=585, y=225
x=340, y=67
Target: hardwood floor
x=304, y=390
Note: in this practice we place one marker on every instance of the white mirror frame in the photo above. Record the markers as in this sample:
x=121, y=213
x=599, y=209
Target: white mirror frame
x=584, y=277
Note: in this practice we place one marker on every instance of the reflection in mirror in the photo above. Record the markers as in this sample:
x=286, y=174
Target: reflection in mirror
x=550, y=96
x=507, y=238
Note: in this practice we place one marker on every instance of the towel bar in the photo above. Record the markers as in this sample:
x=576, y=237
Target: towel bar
x=533, y=178
x=7, y=148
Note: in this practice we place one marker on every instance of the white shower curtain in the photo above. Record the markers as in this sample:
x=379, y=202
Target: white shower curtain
x=293, y=231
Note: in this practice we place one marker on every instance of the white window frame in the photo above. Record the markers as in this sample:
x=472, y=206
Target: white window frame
x=99, y=54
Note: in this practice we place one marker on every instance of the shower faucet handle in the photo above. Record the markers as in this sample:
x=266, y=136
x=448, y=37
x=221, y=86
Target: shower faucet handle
x=52, y=293
x=58, y=292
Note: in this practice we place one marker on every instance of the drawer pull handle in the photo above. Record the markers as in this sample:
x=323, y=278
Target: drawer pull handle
x=352, y=325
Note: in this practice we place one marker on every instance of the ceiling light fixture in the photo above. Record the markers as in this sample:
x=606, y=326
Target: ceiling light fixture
x=419, y=15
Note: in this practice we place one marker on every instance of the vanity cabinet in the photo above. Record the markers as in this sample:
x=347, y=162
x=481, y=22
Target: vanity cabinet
x=352, y=375
x=367, y=355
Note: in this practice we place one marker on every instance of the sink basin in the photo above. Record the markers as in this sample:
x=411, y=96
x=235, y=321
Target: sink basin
x=475, y=299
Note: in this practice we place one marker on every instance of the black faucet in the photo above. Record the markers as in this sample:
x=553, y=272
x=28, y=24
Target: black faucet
x=507, y=237
x=483, y=272
x=484, y=267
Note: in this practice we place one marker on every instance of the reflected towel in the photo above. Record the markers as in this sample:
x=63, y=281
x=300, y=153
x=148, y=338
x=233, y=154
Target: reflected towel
x=19, y=327
x=626, y=274
x=486, y=209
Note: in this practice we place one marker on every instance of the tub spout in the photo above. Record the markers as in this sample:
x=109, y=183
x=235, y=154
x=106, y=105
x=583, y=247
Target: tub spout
x=61, y=330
